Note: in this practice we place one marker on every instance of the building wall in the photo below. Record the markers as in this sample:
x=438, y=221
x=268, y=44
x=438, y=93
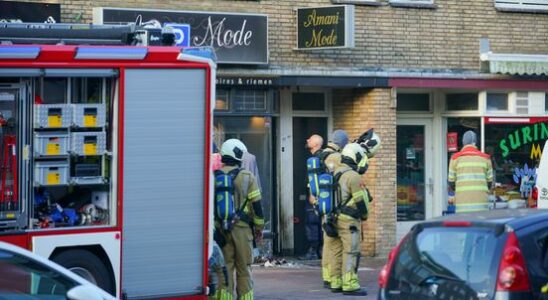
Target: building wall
x=446, y=37
x=356, y=111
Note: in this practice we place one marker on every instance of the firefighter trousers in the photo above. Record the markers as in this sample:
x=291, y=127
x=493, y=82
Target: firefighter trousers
x=345, y=251
x=327, y=257
x=238, y=253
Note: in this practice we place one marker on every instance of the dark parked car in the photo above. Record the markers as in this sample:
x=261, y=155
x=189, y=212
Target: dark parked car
x=497, y=254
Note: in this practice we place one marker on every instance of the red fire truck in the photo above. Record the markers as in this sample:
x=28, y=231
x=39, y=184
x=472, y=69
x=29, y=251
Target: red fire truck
x=104, y=162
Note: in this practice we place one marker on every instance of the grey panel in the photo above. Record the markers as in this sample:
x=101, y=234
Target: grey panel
x=164, y=144
x=80, y=73
x=17, y=72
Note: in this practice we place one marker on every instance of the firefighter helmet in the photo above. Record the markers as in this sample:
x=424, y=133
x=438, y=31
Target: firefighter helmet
x=234, y=149
x=372, y=145
x=356, y=156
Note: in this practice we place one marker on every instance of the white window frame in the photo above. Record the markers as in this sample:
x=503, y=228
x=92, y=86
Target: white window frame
x=460, y=112
x=483, y=103
x=413, y=3
x=358, y=2
x=522, y=5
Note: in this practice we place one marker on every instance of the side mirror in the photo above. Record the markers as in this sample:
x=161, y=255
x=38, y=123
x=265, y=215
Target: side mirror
x=83, y=292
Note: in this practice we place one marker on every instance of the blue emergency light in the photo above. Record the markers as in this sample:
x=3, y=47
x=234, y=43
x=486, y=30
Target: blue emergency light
x=203, y=52
x=19, y=52
x=111, y=53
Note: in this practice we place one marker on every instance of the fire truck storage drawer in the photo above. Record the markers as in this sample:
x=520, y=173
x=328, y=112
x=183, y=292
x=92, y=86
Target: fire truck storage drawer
x=52, y=116
x=51, y=143
x=89, y=115
x=88, y=143
x=51, y=172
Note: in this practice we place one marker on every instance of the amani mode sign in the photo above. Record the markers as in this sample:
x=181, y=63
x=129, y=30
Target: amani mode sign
x=325, y=27
x=237, y=38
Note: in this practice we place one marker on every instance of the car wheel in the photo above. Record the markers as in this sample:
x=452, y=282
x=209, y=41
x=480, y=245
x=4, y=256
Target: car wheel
x=88, y=266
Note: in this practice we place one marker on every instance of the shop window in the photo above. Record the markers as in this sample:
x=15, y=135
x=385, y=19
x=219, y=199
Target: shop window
x=413, y=102
x=309, y=102
x=250, y=100
x=221, y=101
x=461, y=101
x=497, y=102
x=515, y=150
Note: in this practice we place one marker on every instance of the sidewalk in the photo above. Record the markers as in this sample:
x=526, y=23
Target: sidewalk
x=302, y=280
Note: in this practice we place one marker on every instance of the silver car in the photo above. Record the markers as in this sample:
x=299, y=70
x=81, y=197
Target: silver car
x=25, y=275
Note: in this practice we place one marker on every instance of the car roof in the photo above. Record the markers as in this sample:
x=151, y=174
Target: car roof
x=515, y=218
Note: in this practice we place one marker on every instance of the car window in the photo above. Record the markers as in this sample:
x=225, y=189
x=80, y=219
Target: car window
x=23, y=278
x=450, y=259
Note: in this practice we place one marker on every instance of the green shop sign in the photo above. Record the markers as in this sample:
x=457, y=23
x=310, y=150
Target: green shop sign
x=529, y=134
x=325, y=27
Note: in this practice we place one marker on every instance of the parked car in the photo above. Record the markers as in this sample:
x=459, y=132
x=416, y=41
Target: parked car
x=497, y=254
x=25, y=275
x=540, y=191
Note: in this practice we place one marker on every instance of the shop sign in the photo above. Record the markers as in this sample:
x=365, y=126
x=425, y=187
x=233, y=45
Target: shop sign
x=325, y=27
x=533, y=134
x=246, y=81
x=452, y=142
x=17, y=12
x=236, y=38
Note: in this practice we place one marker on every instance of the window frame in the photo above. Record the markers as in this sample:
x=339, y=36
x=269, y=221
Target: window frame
x=413, y=3
x=519, y=6
x=431, y=101
x=468, y=111
x=508, y=110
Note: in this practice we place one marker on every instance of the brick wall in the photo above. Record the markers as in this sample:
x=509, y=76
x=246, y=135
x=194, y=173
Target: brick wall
x=355, y=112
x=446, y=37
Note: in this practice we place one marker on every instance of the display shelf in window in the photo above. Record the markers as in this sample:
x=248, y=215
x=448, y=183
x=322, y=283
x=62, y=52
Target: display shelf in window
x=88, y=143
x=51, y=144
x=51, y=173
x=52, y=116
x=89, y=115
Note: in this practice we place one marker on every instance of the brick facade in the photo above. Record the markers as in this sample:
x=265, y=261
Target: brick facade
x=446, y=37
x=355, y=112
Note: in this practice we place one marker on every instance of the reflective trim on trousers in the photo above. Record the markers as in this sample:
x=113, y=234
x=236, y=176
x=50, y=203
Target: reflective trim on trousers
x=225, y=295
x=336, y=282
x=325, y=274
x=247, y=296
x=350, y=282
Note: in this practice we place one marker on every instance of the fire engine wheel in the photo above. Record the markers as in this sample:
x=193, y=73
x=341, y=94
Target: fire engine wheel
x=88, y=266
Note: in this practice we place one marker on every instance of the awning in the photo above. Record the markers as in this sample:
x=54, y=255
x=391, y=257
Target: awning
x=516, y=64
x=513, y=64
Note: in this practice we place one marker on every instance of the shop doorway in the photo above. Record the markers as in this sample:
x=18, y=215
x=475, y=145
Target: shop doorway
x=303, y=128
x=415, y=183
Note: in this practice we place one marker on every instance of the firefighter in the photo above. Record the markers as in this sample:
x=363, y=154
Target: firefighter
x=352, y=208
x=330, y=158
x=246, y=225
x=470, y=176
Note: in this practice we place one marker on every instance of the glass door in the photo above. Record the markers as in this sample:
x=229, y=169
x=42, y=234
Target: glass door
x=415, y=184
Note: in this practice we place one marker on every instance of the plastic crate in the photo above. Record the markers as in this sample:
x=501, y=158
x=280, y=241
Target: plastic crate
x=88, y=143
x=51, y=143
x=87, y=173
x=89, y=115
x=52, y=116
x=51, y=172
